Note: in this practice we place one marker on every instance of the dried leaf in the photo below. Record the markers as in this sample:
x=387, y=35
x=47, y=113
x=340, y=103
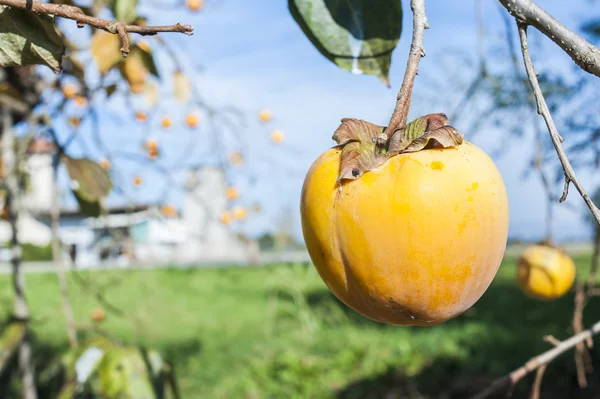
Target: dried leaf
x=27, y=38
x=182, y=87
x=352, y=129
x=446, y=136
x=354, y=34
x=403, y=138
x=359, y=153
x=106, y=50
x=151, y=93
x=136, y=67
x=92, y=181
x=91, y=208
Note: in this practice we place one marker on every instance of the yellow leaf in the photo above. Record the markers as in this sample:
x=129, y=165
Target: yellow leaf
x=151, y=93
x=182, y=87
x=106, y=50
x=135, y=72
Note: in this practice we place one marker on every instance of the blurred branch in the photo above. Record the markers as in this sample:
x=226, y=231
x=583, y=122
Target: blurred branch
x=542, y=109
x=538, y=361
x=585, y=54
x=114, y=27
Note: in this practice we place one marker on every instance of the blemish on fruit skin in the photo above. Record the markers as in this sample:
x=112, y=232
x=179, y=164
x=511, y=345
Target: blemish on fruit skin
x=474, y=186
x=437, y=165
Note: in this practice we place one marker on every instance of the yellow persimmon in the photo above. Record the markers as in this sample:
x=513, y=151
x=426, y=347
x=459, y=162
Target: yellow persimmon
x=240, y=213
x=415, y=240
x=545, y=272
x=98, y=315
x=104, y=163
x=225, y=217
x=80, y=101
x=277, y=136
x=265, y=115
x=194, y=5
x=168, y=210
x=141, y=116
x=192, y=120
x=232, y=193
x=165, y=122
x=236, y=158
x=69, y=90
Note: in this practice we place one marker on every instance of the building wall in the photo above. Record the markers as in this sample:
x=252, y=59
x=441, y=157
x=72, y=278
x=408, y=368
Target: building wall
x=208, y=239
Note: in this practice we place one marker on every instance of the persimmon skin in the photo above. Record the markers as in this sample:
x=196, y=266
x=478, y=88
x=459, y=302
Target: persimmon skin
x=416, y=241
x=545, y=273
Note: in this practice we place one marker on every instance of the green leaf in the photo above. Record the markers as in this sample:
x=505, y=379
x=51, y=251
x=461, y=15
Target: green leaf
x=91, y=208
x=356, y=35
x=90, y=183
x=124, y=10
x=27, y=38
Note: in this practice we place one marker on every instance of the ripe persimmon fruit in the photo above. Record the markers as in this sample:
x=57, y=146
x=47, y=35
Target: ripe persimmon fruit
x=545, y=272
x=409, y=234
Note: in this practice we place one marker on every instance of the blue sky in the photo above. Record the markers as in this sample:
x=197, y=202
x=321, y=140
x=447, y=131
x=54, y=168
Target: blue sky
x=253, y=55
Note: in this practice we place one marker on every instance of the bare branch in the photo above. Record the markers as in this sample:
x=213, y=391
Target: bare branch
x=538, y=361
x=542, y=109
x=537, y=385
x=114, y=27
x=585, y=54
x=551, y=340
x=400, y=115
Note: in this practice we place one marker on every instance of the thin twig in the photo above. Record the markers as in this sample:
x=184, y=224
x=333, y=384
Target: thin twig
x=538, y=361
x=585, y=54
x=537, y=385
x=114, y=27
x=542, y=109
x=551, y=340
x=400, y=115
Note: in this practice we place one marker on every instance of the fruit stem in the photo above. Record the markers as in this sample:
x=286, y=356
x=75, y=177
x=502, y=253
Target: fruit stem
x=400, y=114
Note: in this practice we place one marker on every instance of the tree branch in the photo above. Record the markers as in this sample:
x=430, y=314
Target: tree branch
x=583, y=53
x=400, y=115
x=114, y=27
x=539, y=361
x=542, y=109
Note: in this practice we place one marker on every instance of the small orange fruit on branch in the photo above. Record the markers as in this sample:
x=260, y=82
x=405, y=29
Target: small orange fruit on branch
x=277, y=136
x=265, y=115
x=545, y=272
x=104, y=163
x=98, y=315
x=232, y=193
x=165, y=122
x=236, y=158
x=240, y=213
x=409, y=234
x=192, y=120
x=225, y=217
x=69, y=90
x=141, y=116
x=194, y=5
x=137, y=181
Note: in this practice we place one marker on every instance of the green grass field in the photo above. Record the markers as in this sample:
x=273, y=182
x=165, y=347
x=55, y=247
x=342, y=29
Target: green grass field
x=275, y=332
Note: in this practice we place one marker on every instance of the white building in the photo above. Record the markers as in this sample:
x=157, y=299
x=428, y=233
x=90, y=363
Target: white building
x=139, y=233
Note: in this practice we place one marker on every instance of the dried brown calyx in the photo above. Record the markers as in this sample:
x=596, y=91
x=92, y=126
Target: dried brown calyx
x=361, y=151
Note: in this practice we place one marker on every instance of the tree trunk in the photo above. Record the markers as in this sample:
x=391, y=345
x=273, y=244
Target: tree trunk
x=21, y=310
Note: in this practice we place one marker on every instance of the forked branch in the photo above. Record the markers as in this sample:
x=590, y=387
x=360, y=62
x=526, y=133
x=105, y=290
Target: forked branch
x=585, y=54
x=538, y=361
x=114, y=27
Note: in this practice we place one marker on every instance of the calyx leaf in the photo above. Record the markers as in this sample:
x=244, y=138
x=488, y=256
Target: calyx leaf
x=419, y=133
x=27, y=38
x=359, y=152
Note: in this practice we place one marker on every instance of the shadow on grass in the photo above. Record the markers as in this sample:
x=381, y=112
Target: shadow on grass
x=514, y=329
